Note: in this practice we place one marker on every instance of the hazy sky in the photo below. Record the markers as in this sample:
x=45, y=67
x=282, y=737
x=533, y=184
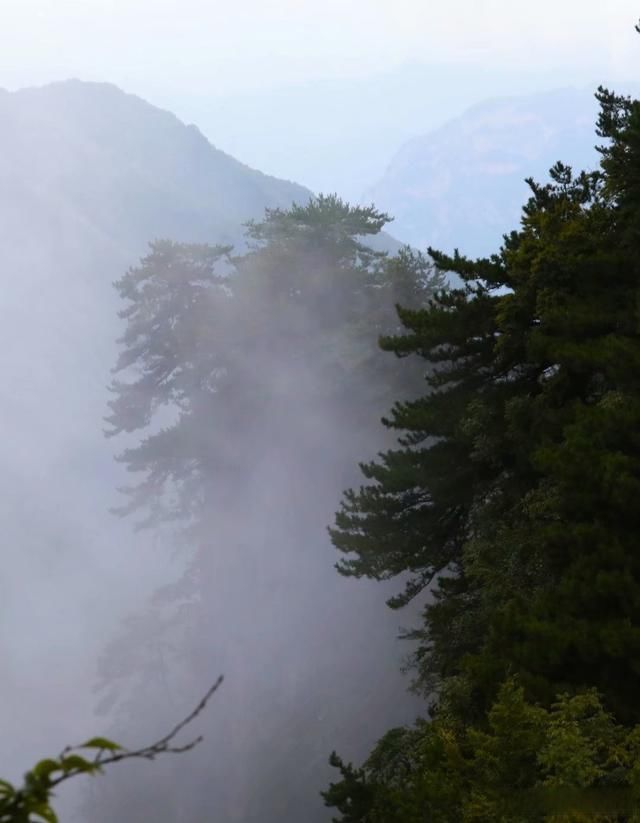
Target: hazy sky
x=169, y=46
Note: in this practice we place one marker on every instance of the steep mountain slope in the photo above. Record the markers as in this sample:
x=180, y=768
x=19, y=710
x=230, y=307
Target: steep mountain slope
x=131, y=170
x=88, y=175
x=463, y=184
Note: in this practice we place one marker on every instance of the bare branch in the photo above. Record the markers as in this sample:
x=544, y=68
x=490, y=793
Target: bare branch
x=106, y=757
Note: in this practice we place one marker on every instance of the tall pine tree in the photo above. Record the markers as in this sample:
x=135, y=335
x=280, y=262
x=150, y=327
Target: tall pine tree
x=511, y=502
x=248, y=386
x=513, y=494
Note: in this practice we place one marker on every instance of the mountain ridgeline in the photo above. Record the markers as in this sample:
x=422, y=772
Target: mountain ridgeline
x=125, y=169
x=463, y=183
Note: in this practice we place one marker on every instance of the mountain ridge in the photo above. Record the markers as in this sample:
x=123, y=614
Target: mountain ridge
x=77, y=208
x=463, y=183
x=169, y=177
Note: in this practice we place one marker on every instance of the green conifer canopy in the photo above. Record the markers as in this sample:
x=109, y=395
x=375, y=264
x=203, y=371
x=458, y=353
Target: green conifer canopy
x=512, y=501
x=513, y=494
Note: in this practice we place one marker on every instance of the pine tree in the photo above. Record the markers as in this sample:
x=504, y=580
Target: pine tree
x=250, y=384
x=176, y=357
x=512, y=497
x=213, y=342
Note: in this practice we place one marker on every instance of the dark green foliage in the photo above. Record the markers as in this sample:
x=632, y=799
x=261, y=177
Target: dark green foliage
x=515, y=480
x=512, y=499
x=31, y=802
x=570, y=762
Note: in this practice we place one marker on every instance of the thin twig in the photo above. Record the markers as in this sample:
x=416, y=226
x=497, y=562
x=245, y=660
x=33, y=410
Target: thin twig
x=150, y=752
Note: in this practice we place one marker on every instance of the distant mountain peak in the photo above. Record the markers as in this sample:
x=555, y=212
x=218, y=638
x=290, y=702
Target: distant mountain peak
x=463, y=184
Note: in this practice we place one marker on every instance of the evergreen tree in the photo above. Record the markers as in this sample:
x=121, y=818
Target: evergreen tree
x=570, y=762
x=251, y=385
x=213, y=342
x=511, y=497
x=175, y=358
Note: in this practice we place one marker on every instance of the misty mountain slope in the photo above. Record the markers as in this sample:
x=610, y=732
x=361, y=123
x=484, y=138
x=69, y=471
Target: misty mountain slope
x=338, y=133
x=132, y=170
x=462, y=185
x=88, y=175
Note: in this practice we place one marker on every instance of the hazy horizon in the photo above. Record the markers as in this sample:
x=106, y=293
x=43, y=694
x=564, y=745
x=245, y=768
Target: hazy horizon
x=162, y=45
x=303, y=108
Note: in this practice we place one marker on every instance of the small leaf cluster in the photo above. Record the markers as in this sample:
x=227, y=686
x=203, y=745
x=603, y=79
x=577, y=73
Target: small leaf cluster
x=30, y=803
